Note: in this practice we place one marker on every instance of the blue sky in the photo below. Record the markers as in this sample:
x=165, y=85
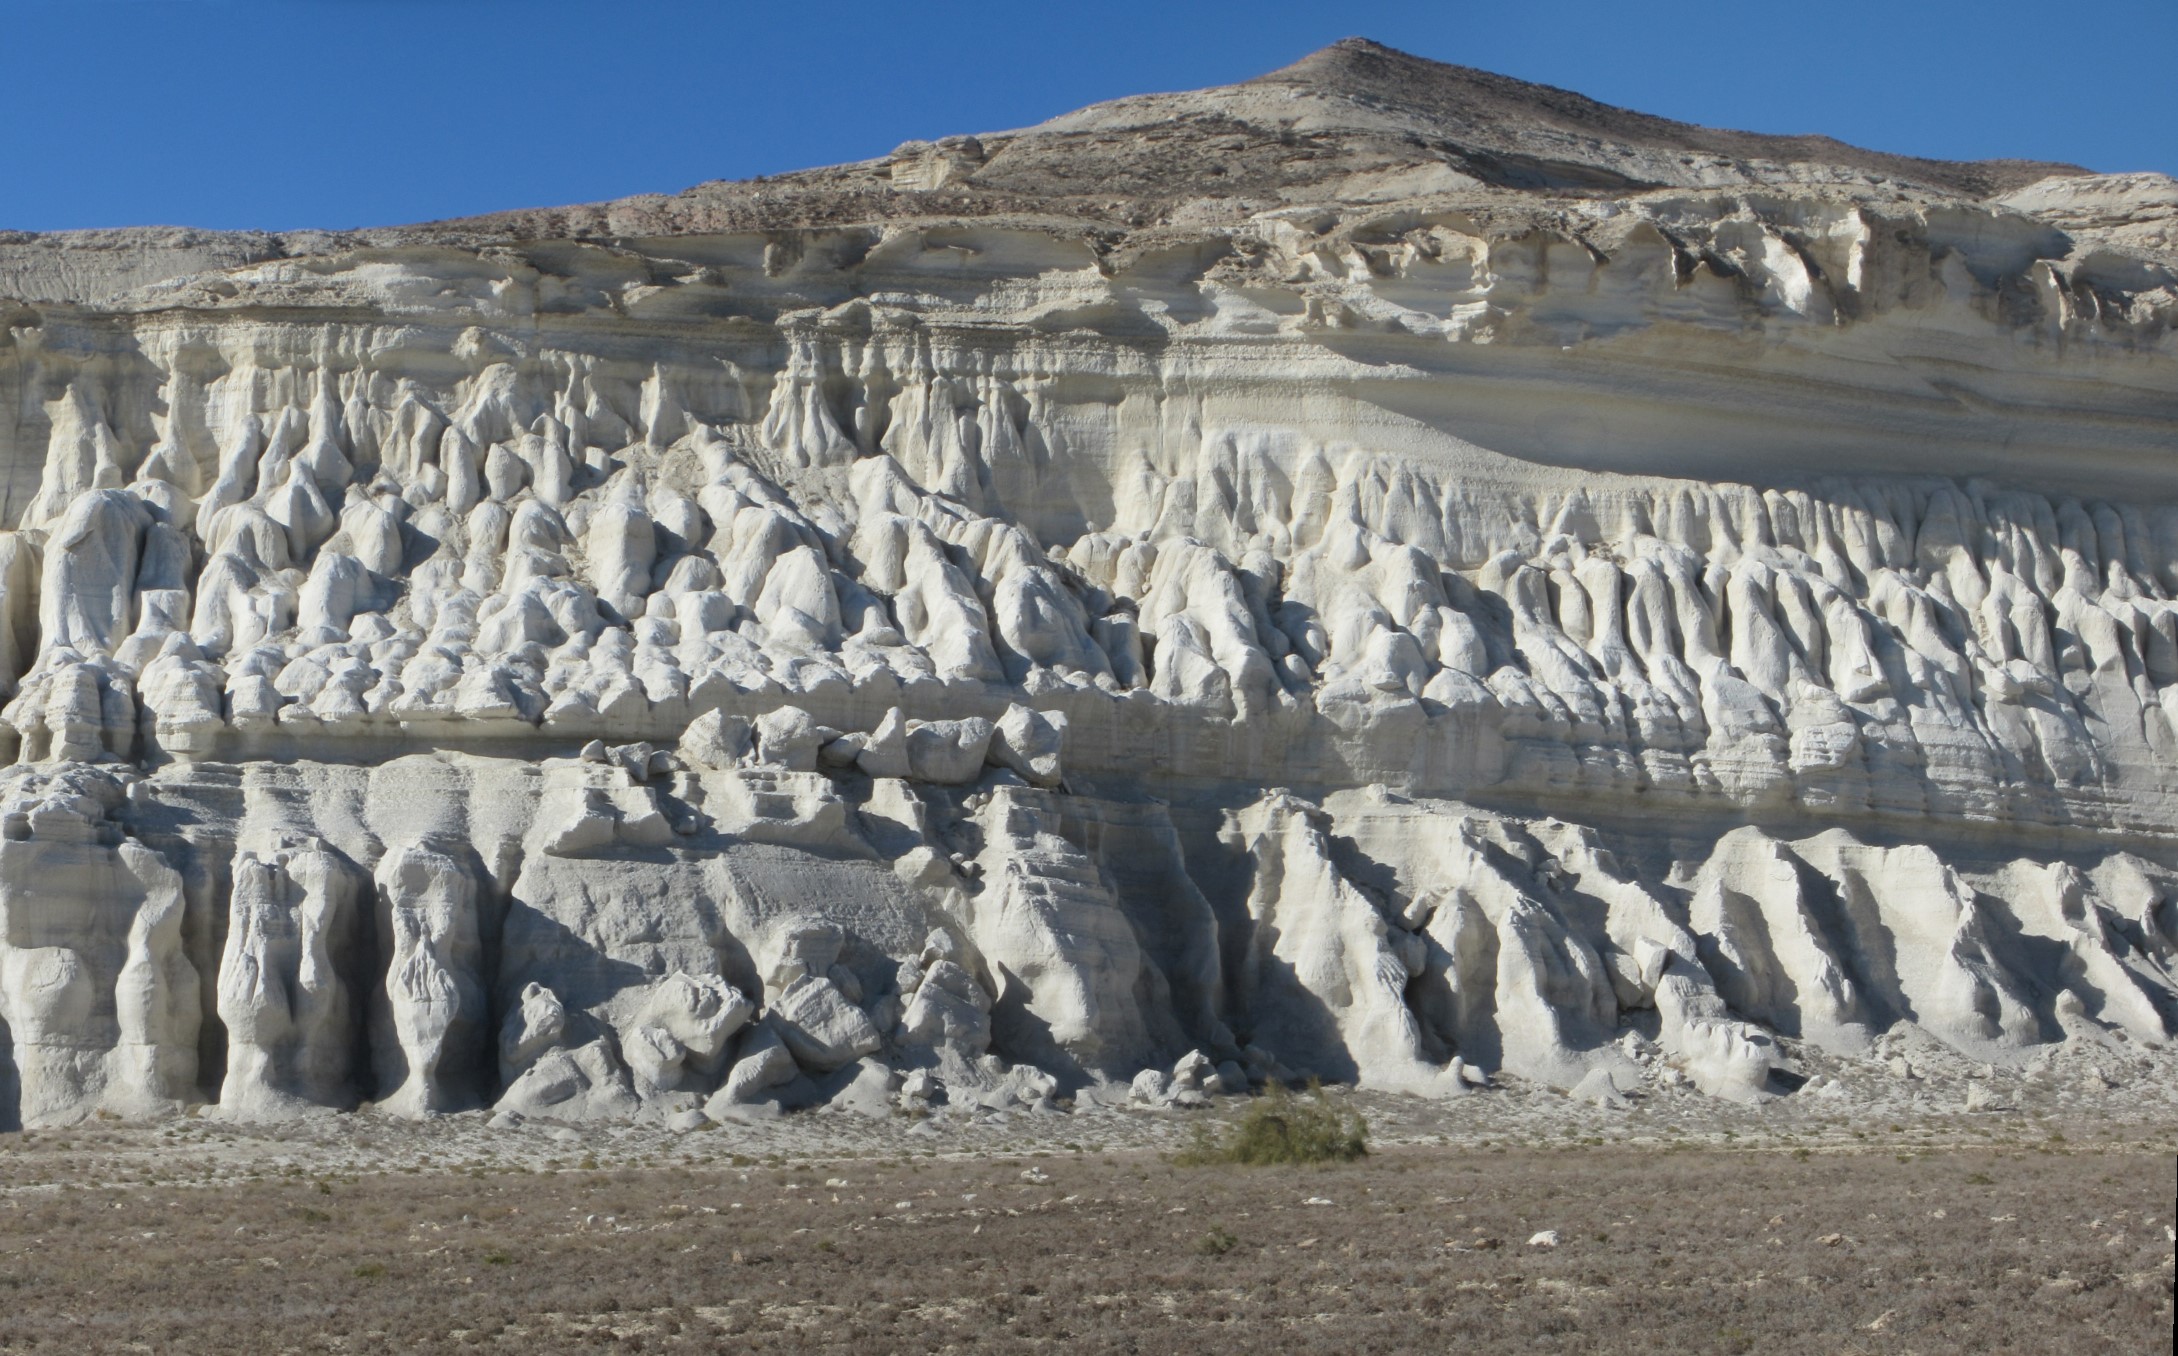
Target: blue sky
x=240, y=113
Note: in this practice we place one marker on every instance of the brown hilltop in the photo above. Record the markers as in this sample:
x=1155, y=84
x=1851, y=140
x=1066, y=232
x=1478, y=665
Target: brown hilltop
x=1487, y=107
x=1356, y=126
x=1356, y=121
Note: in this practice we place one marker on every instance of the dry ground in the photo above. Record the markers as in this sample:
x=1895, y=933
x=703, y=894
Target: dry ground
x=1999, y=1235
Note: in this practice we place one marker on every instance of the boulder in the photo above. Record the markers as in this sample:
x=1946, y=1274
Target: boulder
x=884, y=751
x=1030, y=744
x=1597, y=1087
x=803, y=946
x=534, y=1025
x=1149, y=1087
x=714, y=741
x=864, y=1087
x=699, y=1013
x=762, y=1064
x=920, y=1089
x=788, y=738
x=935, y=1017
x=583, y=1084
x=1193, y=1070
x=948, y=752
x=820, y=1027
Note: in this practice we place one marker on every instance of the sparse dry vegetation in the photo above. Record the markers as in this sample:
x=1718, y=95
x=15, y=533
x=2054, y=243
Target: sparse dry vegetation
x=1278, y=1128
x=2019, y=1247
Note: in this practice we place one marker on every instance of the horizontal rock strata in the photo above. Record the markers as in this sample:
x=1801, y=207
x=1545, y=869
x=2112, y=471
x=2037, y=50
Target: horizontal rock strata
x=1429, y=606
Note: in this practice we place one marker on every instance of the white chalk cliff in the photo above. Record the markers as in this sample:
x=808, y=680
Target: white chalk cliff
x=1381, y=571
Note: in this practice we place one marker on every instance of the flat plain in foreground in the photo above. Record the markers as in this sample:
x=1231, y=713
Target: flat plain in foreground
x=2036, y=1244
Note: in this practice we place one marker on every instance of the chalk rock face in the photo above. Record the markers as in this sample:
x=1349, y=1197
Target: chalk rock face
x=428, y=1032
x=288, y=992
x=1379, y=571
x=1327, y=972
x=100, y=1001
x=1067, y=964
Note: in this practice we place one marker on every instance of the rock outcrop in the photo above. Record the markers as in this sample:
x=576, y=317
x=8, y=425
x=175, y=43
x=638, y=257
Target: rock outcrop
x=1381, y=572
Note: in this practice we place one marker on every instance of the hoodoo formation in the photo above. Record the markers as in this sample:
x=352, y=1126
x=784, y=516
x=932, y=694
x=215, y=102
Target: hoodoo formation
x=1382, y=571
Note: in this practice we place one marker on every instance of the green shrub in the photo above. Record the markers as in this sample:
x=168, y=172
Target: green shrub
x=1279, y=1127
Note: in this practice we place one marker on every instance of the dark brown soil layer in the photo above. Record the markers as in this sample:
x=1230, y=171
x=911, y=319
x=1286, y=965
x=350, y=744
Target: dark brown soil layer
x=2035, y=1246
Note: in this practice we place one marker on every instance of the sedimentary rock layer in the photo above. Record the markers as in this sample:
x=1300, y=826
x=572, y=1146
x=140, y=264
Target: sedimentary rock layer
x=1421, y=576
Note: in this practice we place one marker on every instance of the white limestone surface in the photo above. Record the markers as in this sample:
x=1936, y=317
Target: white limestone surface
x=941, y=635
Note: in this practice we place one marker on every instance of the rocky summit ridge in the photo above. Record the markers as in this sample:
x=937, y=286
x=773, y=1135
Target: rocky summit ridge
x=1381, y=571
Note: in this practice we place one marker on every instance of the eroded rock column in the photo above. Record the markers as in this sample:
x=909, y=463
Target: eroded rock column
x=428, y=1027
x=286, y=992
